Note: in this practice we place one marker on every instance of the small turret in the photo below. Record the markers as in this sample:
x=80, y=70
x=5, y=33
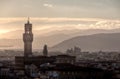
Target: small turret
x=45, y=50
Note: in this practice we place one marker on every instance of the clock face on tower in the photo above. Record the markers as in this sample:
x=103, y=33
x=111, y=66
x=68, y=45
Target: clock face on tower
x=28, y=37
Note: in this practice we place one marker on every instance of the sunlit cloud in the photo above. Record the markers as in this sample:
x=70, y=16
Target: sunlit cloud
x=47, y=5
x=49, y=25
x=114, y=24
x=3, y=31
x=9, y=24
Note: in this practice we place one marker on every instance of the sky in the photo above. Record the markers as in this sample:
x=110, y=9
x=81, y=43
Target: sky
x=59, y=14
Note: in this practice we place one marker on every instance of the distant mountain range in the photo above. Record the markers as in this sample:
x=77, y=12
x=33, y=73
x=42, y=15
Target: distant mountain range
x=96, y=42
x=53, y=38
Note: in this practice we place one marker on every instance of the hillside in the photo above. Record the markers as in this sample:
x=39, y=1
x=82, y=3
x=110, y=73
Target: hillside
x=95, y=42
x=13, y=39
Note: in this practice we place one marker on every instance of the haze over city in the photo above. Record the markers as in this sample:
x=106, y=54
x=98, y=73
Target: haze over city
x=59, y=39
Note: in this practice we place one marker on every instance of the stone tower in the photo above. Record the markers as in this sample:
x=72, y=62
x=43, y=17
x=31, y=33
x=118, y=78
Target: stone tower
x=45, y=50
x=28, y=39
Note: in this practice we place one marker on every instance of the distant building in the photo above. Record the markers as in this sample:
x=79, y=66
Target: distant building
x=65, y=59
x=39, y=60
x=74, y=51
x=45, y=51
x=70, y=71
x=19, y=62
x=36, y=60
x=77, y=50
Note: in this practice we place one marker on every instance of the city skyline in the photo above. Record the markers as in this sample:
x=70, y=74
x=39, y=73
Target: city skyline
x=59, y=39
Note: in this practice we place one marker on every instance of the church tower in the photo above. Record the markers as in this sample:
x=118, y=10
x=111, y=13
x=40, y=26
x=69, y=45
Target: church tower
x=28, y=39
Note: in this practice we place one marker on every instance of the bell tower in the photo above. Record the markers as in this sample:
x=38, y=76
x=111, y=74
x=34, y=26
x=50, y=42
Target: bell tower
x=28, y=39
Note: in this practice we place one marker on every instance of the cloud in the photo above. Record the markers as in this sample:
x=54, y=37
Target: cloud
x=47, y=24
x=106, y=24
x=48, y=5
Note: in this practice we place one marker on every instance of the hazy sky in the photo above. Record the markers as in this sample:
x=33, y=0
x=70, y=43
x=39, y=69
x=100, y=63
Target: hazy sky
x=60, y=14
x=60, y=8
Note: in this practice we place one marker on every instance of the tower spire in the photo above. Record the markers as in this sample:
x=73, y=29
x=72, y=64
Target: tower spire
x=28, y=20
